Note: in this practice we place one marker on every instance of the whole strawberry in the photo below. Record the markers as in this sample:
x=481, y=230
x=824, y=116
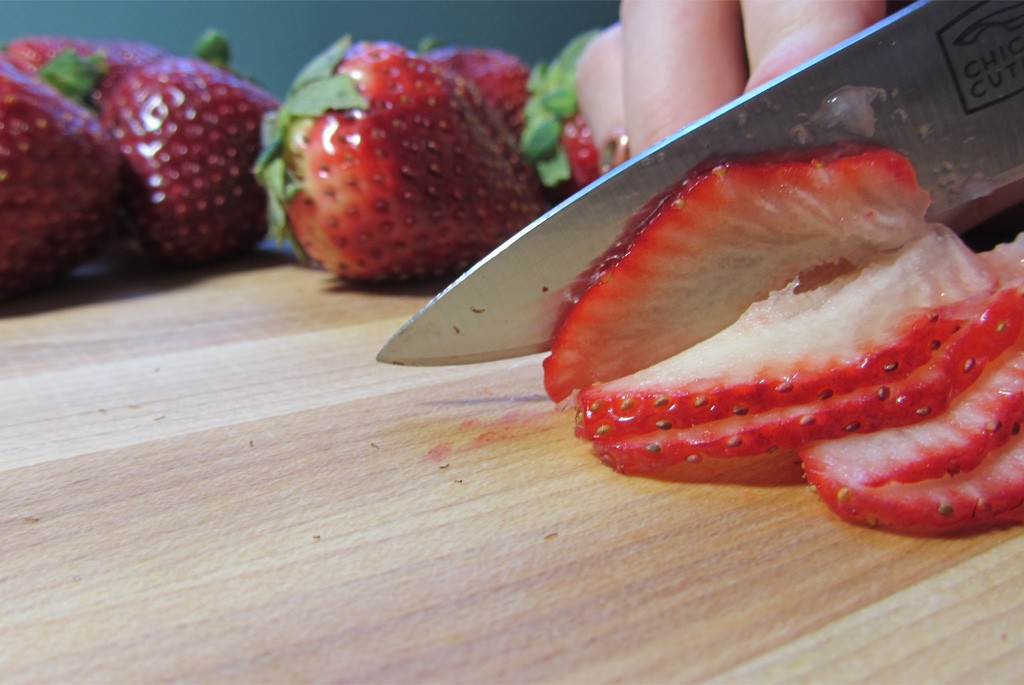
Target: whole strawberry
x=58, y=183
x=189, y=133
x=382, y=165
x=501, y=78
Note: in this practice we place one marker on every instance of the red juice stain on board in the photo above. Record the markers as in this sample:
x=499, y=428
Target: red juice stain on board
x=440, y=452
x=476, y=433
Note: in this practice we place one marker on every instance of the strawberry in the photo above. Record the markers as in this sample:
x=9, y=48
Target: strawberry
x=548, y=93
x=963, y=467
x=991, y=493
x=58, y=183
x=382, y=165
x=556, y=137
x=500, y=77
x=117, y=57
x=189, y=133
x=874, y=327
x=584, y=159
x=725, y=238
x=954, y=470
x=980, y=420
x=869, y=398
x=891, y=363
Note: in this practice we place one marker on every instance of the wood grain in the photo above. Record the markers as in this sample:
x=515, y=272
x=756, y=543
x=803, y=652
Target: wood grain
x=205, y=476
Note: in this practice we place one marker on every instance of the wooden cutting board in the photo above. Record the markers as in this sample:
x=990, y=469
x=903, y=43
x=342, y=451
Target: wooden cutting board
x=205, y=476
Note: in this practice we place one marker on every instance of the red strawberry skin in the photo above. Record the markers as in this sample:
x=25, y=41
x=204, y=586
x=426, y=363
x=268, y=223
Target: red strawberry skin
x=500, y=77
x=120, y=56
x=422, y=182
x=189, y=134
x=58, y=183
x=584, y=158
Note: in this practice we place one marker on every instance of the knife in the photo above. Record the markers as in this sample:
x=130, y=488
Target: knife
x=940, y=81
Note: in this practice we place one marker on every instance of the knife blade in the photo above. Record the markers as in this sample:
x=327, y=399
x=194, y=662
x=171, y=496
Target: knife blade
x=941, y=82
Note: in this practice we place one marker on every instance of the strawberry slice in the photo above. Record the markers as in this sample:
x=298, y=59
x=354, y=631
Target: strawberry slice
x=724, y=239
x=870, y=328
x=981, y=419
x=993, y=491
x=928, y=391
x=961, y=468
x=955, y=363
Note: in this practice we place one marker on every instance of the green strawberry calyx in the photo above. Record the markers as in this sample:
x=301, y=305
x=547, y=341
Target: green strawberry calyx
x=552, y=102
x=74, y=76
x=214, y=48
x=318, y=88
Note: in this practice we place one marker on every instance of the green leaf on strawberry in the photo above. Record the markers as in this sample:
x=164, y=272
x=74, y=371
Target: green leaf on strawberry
x=318, y=88
x=74, y=76
x=337, y=91
x=554, y=137
x=214, y=48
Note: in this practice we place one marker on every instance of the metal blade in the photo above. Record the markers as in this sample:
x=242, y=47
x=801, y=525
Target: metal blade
x=941, y=82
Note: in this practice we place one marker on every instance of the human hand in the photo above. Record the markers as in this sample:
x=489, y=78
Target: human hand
x=670, y=62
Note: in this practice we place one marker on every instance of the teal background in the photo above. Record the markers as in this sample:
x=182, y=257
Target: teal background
x=271, y=40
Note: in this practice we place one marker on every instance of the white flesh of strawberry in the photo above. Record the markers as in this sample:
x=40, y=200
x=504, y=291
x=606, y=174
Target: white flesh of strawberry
x=994, y=489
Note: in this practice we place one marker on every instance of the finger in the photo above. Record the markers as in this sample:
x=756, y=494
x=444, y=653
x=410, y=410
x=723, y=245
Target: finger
x=599, y=84
x=681, y=60
x=781, y=34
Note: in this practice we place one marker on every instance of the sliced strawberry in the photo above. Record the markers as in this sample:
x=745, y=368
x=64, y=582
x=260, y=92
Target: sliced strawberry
x=925, y=392
x=873, y=328
x=724, y=239
x=982, y=419
x=994, y=490
x=961, y=468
